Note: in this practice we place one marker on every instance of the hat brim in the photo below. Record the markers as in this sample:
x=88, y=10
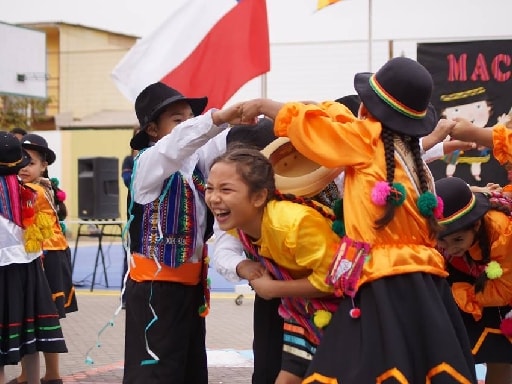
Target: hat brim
x=390, y=117
x=482, y=206
x=48, y=153
x=141, y=139
x=311, y=182
x=196, y=104
x=25, y=160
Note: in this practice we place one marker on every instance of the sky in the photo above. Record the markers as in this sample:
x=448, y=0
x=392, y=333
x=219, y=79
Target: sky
x=289, y=20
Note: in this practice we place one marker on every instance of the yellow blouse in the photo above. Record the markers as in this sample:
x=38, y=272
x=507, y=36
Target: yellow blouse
x=58, y=240
x=330, y=135
x=497, y=292
x=299, y=239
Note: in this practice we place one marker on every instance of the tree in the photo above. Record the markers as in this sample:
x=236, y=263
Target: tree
x=19, y=111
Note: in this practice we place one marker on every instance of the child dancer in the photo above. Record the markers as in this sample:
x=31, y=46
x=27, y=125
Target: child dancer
x=476, y=242
x=29, y=322
x=397, y=320
x=294, y=242
x=56, y=257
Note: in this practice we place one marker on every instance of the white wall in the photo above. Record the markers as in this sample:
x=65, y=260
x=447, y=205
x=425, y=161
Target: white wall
x=22, y=51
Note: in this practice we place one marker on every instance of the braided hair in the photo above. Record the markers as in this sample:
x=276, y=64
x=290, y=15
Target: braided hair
x=388, y=138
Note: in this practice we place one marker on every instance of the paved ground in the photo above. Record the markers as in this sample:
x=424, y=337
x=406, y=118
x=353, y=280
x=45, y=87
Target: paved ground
x=228, y=342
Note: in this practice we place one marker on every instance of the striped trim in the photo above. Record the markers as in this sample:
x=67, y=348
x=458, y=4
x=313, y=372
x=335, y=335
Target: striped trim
x=463, y=94
x=394, y=103
x=461, y=212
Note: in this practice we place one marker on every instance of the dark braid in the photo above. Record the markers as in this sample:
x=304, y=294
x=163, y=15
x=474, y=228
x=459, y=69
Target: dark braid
x=62, y=211
x=304, y=201
x=389, y=155
x=483, y=243
x=414, y=145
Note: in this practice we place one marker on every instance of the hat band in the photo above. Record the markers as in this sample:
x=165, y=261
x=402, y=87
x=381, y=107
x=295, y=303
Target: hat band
x=13, y=164
x=394, y=103
x=461, y=212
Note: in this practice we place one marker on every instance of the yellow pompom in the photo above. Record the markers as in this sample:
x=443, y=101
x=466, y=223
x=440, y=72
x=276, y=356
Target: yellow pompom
x=33, y=239
x=493, y=270
x=207, y=260
x=44, y=222
x=322, y=318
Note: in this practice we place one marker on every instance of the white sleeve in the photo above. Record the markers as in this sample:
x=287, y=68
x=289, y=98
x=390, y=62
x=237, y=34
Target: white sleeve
x=227, y=254
x=434, y=153
x=167, y=156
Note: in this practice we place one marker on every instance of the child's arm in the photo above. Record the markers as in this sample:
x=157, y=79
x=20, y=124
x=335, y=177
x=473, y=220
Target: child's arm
x=268, y=288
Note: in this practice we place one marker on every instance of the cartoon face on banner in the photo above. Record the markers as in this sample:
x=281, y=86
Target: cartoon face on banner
x=472, y=81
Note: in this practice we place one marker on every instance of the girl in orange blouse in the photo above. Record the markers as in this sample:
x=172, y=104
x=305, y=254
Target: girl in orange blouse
x=398, y=321
x=476, y=242
x=56, y=253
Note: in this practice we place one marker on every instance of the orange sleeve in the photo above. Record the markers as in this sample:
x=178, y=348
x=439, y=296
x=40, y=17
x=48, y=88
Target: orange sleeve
x=328, y=133
x=502, y=143
x=497, y=292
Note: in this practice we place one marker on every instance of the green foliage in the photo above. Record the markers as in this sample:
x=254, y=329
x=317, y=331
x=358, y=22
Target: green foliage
x=18, y=111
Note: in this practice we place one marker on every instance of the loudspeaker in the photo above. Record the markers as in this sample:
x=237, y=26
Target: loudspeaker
x=98, y=188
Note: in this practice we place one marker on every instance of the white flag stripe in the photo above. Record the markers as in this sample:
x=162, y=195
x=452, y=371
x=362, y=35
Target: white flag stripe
x=170, y=44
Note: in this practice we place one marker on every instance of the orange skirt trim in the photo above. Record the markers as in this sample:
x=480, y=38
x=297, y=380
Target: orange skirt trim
x=145, y=269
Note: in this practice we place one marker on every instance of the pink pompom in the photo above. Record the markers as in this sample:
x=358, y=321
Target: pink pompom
x=380, y=193
x=506, y=325
x=61, y=195
x=438, y=211
x=355, y=313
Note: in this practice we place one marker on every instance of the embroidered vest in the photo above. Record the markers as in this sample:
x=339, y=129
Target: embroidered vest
x=166, y=228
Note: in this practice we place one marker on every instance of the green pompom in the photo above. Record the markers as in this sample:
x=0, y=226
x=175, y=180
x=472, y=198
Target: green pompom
x=55, y=181
x=426, y=204
x=338, y=226
x=63, y=226
x=397, y=195
x=337, y=208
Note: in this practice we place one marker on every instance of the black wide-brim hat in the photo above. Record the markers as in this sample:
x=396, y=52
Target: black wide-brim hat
x=39, y=144
x=461, y=207
x=398, y=95
x=12, y=156
x=152, y=101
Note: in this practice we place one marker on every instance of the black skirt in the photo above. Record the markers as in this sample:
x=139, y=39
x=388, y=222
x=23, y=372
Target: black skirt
x=488, y=344
x=177, y=337
x=409, y=331
x=29, y=321
x=57, y=268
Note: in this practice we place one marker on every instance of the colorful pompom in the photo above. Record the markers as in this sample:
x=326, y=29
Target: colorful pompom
x=55, y=181
x=506, y=325
x=338, y=227
x=322, y=318
x=61, y=195
x=493, y=270
x=397, y=194
x=337, y=208
x=439, y=209
x=355, y=313
x=426, y=203
x=204, y=310
x=380, y=193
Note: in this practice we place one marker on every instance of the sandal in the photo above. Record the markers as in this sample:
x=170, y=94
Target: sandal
x=15, y=381
x=53, y=381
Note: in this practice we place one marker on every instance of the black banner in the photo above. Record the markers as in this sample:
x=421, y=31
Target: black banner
x=471, y=80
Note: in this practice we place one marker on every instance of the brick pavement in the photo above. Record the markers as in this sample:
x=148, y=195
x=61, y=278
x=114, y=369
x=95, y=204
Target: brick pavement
x=228, y=340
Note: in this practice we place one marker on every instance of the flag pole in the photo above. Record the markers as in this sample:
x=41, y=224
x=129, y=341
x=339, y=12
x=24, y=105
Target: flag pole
x=370, y=37
x=264, y=86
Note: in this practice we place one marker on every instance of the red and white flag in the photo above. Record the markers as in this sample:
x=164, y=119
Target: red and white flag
x=204, y=48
